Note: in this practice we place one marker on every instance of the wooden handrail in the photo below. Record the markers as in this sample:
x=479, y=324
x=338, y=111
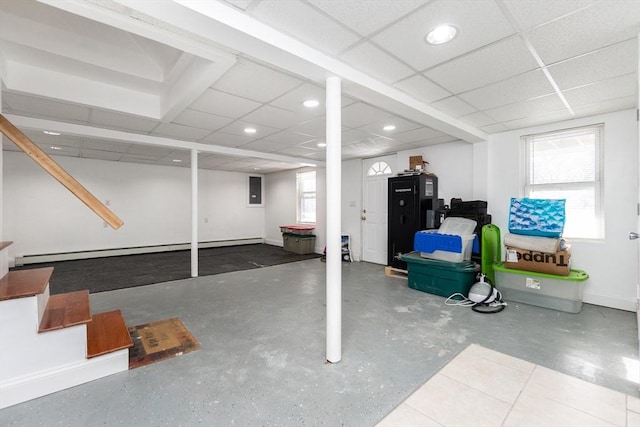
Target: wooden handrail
x=55, y=170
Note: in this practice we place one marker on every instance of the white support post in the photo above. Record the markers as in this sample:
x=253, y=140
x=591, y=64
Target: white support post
x=334, y=226
x=194, y=213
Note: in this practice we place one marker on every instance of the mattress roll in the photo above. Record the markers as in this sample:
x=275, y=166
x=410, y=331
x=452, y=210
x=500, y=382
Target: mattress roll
x=535, y=243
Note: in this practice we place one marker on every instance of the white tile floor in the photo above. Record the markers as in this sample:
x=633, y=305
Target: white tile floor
x=482, y=387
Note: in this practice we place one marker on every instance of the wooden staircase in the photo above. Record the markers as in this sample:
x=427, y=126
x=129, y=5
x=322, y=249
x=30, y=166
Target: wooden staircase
x=50, y=343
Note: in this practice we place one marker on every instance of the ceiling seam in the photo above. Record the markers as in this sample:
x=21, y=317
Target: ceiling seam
x=507, y=13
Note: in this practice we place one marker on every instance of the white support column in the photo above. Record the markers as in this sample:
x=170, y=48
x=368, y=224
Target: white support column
x=334, y=226
x=194, y=213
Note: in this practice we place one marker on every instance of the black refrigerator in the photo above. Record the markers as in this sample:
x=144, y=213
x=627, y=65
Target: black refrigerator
x=413, y=201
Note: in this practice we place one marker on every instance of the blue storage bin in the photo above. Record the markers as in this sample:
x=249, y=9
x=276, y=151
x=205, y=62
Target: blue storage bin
x=444, y=247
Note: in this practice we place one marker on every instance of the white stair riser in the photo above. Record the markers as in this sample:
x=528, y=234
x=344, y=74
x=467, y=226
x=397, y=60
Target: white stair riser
x=24, y=350
x=44, y=382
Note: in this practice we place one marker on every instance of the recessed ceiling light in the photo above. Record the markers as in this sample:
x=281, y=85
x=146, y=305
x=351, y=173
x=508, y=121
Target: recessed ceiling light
x=322, y=144
x=54, y=147
x=389, y=128
x=50, y=132
x=250, y=130
x=311, y=103
x=313, y=165
x=176, y=161
x=256, y=169
x=441, y=34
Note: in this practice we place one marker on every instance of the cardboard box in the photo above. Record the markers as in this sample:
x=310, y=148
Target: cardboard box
x=415, y=161
x=558, y=263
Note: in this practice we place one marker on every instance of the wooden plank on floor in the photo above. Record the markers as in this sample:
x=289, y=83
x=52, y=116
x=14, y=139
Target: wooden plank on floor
x=24, y=283
x=64, y=310
x=395, y=272
x=106, y=333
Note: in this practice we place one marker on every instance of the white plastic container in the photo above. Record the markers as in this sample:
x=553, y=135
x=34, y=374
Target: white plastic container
x=459, y=226
x=443, y=244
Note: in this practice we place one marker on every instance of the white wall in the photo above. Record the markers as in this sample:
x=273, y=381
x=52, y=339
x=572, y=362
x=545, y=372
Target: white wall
x=280, y=205
x=612, y=264
x=453, y=165
x=352, y=204
x=42, y=217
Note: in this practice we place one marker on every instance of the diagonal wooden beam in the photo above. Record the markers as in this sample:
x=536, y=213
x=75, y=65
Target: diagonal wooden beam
x=55, y=170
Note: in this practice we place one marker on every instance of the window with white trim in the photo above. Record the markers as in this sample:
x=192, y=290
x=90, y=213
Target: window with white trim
x=567, y=165
x=379, y=168
x=306, y=197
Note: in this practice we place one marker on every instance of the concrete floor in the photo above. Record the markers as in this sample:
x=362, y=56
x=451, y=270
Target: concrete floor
x=262, y=360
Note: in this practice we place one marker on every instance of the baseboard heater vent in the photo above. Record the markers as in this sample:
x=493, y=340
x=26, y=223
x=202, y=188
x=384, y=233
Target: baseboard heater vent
x=66, y=256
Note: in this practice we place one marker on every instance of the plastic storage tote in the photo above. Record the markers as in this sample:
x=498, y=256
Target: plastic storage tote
x=562, y=293
x=439, y=277
x=299, y=244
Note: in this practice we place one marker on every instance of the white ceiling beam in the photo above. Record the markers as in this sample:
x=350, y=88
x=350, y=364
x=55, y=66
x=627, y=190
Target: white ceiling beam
x=30, y=123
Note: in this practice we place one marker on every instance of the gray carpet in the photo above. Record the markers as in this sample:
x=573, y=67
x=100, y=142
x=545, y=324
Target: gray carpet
x=119, y=272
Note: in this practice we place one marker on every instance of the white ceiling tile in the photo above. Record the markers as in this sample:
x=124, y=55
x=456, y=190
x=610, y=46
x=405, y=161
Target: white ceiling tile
x=406, y=38
x=304, y=23
x=272, y=116
x=454, y=106
x=420, y=134
x=517, y=88
x=361, y=114
x=290, y=138
x=316, y=127
x=176, y=131
x=605, y=23
x=531, y=13
x=615, y=60
x=619, y=104
x=422, y=88
x=484, y=66
x=100, y=155
x=60, y=150
x=44, y=108
x=536, y=120
x=524, y=109
x=298, y=151
x=602, y=91
x=265, y=146
x=42, y=138
x=226, y=139
x=106, y=145
x=149, y=150
x=256, y=82
x=365, y=17
x=223, y=104
x=126, y=122
x=494, y=128
x=238, y=127
x=352, y=136
x=199, y=119
x=477, y=119
x=401, y=125
x=128, y=159
x=367, y=58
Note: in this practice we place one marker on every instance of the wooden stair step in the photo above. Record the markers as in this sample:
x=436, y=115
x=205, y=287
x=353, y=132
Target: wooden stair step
x=64, y=310
x=106, y=333
x=24, y=283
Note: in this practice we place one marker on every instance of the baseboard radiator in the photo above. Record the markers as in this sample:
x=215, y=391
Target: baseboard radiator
x=66, y=256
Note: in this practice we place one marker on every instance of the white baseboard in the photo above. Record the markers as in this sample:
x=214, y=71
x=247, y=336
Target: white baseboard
x=50, y=381
x=66, y=256
x=626, y=304
x=274, y=242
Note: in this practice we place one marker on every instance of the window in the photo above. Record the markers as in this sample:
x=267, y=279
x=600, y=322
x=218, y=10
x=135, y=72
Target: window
x=379, y=168
x=306, y=191
x=567, y=165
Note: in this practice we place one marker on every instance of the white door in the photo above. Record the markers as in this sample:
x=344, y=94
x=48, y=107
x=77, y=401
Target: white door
x=375, y=171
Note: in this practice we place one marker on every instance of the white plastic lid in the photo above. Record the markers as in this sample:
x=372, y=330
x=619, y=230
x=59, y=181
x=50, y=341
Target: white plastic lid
x=459, y=226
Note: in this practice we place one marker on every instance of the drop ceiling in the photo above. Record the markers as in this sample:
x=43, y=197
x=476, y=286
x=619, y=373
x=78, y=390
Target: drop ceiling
x=146, y=82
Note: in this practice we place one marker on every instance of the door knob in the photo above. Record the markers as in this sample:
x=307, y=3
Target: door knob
x=633, y=236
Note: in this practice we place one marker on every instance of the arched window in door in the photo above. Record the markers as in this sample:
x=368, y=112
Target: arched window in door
x=379, y=168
